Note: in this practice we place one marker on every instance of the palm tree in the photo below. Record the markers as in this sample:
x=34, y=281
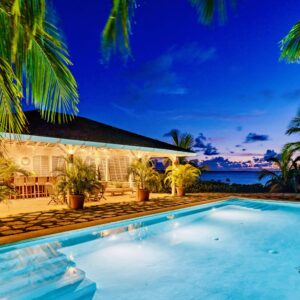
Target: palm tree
x=34, y=63
x=182, y=140
x=287, y=178
x=116, y=33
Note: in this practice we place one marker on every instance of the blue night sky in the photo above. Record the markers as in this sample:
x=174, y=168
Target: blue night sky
x=224, y=82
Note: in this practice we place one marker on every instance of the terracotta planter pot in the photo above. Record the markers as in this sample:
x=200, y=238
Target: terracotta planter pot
x=142, y=195
x=180, y=191
x=76, y=201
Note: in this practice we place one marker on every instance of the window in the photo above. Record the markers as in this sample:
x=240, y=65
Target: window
x=118, y=168
x=57, y=163
x=41, y=165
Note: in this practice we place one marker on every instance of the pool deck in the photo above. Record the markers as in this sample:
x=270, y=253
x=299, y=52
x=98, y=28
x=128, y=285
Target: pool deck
x=22, y=226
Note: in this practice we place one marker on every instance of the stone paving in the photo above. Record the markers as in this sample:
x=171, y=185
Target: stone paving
x=35, y=221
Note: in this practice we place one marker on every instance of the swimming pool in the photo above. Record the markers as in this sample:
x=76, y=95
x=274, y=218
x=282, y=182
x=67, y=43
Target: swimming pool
x=233, y=249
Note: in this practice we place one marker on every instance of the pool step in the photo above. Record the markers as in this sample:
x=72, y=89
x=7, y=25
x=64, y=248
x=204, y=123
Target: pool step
x=85, y=290
x=33, y=274
x=10, y=258
x=42, y=273
x=254, y=205
x=26, y=264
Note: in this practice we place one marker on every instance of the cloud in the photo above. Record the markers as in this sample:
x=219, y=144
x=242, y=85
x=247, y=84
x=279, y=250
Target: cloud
x=160, y=76
x=127, y=111
x=293, y=95
x=254, y=137
x=196, y=115
x=199, y=141
x=263, y=162
x=179, y=115
x=270, y=154
x=211, y=150
x=191, y=54
x=267, y=94
x=206, y=148
x=221, y=163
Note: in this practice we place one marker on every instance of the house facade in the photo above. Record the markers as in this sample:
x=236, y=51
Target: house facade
x=42, y=147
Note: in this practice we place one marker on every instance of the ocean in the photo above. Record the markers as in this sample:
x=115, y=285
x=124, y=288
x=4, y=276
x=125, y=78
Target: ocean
x=241, y=177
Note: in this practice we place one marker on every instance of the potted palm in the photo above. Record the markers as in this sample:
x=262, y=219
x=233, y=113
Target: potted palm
x=76, y=179
x=182, y=176
x=145, y=176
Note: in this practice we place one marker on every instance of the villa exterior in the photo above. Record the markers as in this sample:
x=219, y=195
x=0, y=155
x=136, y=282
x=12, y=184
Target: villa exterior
x=41, y=149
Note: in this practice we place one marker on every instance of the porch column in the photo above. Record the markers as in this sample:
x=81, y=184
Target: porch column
x=130, y=178
x=97, y=165
x=174, y=163
x=107, y=169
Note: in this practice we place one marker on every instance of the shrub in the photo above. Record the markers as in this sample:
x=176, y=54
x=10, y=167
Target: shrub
x=217, y=187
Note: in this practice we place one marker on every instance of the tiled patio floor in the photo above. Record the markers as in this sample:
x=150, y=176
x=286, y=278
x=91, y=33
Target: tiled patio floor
x=39, y=221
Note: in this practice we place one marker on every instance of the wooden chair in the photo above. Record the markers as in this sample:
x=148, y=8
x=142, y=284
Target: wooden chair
x=98, y=193
x=55, y=196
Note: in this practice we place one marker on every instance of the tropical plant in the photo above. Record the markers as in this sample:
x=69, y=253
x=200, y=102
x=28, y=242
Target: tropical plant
x=116, y=33
x=145, y=176
x=8, y=169
x=77, y=177
x=34, y=63
x=182, y=176
x=287, y=178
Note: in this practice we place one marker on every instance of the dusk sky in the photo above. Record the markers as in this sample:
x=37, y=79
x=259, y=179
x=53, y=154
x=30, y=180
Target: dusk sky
x=225, y=82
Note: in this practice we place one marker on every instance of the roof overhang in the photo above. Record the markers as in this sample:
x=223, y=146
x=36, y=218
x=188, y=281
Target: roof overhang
x=52, y=140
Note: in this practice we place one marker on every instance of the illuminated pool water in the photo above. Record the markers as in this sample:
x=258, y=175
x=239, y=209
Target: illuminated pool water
x=234, y=249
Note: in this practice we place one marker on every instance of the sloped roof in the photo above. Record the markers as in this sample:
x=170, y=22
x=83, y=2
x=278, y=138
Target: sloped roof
x=84, y=129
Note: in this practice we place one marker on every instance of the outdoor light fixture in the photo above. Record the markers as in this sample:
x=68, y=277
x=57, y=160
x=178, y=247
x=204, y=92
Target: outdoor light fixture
x=25, y=161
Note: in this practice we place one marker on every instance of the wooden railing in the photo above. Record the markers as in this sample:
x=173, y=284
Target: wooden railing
x=31, y=186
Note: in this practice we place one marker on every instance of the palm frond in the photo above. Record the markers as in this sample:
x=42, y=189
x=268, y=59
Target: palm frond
x=175, y=135
x=12, y=118
x=291, y=148
x=290, y=45
x=266, y=173
x=208, y=9
x=115, y=35
x=182, y=140
x=117, y=30
x=186, y=141
x=294, y=126
x=34, y=64
x=50, y=85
